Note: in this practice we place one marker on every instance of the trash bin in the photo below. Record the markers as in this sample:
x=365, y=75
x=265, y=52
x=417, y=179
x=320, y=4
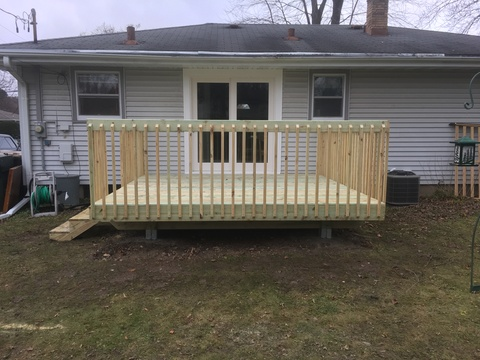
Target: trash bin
x=403, y=187
x=68, y=189
x=6, y=162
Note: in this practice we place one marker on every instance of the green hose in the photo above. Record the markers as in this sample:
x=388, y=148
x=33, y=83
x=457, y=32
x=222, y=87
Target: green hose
x=40, y=196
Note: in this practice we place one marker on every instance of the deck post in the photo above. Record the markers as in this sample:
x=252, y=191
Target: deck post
x=151, y=233
x=325, y=231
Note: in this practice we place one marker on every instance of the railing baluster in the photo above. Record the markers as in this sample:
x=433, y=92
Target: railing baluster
x=190, y=171
x=114, y=170
x=244, y=154
x=212, y=133
x=455, y=189
x=328, y=171
x=233, y=152
x=360, y=159
x=307, y=170
x=135, y=172
x=157, y=163
x=92, y=170
x=222, y=171
x=348, y=172
x=297, y=160
x=275, y=170
x=123, y=161
x=265, y=169
x=145, y=164
x=380, y=158
x=338, y=171
x=371, y=165
x=179, y=172
x=285, y=177
x=200, y=166
x=317, y=170
x=254, y=175
x=169, y=175
x=103, y=177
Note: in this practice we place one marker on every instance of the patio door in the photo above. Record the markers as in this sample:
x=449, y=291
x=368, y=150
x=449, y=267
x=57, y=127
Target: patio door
x=232, y=100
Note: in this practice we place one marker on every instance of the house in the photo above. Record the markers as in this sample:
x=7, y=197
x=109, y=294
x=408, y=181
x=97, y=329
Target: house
x=415, y=81
x=8, y=116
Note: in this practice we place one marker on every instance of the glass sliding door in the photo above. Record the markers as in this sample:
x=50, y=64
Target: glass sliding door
x=213, y=104
x=222, y=96
x=252, y=104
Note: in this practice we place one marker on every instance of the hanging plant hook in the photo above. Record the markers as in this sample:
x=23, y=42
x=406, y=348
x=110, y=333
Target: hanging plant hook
x=471, y=104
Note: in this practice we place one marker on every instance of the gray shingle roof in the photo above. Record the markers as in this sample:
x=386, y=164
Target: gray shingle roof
x=269, y=38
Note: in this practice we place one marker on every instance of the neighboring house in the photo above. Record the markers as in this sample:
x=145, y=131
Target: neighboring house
x=8, y=116
x=418, y=80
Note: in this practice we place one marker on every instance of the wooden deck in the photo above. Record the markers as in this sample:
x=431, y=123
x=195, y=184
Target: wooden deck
x=177, y=173
x=239, y=198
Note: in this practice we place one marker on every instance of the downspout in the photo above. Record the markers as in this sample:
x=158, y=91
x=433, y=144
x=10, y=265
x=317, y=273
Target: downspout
x=23, y=120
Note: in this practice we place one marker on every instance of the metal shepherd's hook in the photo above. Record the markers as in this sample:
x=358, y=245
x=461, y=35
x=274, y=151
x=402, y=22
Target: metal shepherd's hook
x=473, y=287
x=471, y=104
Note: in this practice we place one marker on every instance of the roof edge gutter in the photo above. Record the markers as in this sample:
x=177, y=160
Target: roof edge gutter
x=234, y=54
x=283, y=60
x=22, y=118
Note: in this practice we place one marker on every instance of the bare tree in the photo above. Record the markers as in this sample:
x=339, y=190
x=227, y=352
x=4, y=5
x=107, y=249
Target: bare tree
x=287, y=11
x=8, y=83
x=402, y=13
x=8, y=92
x=106, y=29
x=453, y=15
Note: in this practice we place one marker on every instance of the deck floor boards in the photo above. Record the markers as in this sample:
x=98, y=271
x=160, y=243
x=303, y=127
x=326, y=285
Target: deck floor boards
x=194, y=206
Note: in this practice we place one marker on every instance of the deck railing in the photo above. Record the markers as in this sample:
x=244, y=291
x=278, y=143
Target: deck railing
x=154, y=170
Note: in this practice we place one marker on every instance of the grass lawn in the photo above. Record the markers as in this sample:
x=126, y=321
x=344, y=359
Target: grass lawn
x=397, y=289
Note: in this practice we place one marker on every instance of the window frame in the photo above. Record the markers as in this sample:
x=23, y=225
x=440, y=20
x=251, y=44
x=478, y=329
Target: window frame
x=313, y=97
x=76, y=94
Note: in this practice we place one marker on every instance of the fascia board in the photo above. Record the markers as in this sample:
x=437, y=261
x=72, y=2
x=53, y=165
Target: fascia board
x=275, y=60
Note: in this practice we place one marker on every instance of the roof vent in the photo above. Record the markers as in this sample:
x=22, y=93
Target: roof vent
x=356, y=27
x=234, y=26
x=131, y=36
x=291, y=35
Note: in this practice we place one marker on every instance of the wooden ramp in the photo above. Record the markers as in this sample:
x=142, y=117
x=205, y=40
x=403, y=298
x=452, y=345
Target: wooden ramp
x=74, y=227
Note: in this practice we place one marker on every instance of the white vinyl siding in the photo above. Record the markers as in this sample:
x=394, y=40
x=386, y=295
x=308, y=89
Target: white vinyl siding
x=149, y=94
x=57, y=112
x=156, y=94
x=296, y=102
x=420, y=105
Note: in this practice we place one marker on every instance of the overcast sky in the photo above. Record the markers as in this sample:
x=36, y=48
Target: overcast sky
x=63, y=18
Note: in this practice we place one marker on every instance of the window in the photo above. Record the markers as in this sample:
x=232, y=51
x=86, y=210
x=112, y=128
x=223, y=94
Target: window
x=328, y=96
x=98, y=94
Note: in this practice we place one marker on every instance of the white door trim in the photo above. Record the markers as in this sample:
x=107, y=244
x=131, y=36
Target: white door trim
x=232, y=76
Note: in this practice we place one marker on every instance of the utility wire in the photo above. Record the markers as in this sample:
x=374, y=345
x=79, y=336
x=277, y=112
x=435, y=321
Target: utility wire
x=11, y=32
x=24, y=19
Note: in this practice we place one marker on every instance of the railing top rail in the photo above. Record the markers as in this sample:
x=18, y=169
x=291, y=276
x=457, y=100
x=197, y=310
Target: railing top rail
x=465, y=124
x=237, y=125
